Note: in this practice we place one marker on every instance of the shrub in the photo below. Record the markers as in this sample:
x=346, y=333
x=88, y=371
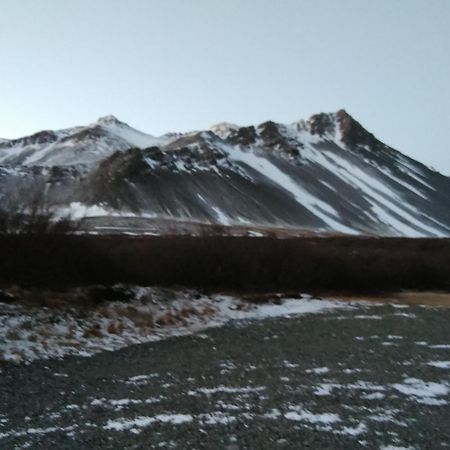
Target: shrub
x=246, y=264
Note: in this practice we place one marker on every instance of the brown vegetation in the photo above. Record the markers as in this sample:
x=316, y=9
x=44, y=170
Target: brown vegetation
x=265, y=264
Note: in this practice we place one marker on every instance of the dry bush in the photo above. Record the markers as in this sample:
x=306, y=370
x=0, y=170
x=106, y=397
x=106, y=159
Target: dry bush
x=115, y=327
x=94, y=331
x=167, y=318
x=187, y=312
x=237, y=264
x=35, y=220
x=55, y=303
x=139, y=318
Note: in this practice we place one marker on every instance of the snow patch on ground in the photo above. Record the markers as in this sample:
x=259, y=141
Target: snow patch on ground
x=299, y=414
x=354, y=431
x=32, y=332
x=122, y=424
x=394, y=447
x=427, y=393
x=440, y=364
x=228, y=390
x=318, y=370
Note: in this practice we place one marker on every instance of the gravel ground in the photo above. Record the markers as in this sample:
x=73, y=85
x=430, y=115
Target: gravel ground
x=369, y=377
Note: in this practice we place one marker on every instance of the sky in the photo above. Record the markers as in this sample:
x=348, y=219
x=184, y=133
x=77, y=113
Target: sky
x=177, y=65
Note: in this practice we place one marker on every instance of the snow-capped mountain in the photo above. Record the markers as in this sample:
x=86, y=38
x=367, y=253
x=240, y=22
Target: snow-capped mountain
x=74, y=146
x=325, y=174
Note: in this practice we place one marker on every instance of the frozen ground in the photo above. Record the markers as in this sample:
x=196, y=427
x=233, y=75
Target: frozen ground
x=368, y=376
x=30, y=331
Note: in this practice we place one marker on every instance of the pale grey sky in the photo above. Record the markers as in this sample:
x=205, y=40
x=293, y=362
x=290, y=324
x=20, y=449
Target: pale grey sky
x=178, y=65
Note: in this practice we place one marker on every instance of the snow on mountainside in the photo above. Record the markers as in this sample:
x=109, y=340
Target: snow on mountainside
x=78, y=145
x=324, y=174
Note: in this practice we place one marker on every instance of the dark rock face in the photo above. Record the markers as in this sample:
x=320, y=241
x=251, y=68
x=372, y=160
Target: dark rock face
x=354, y=134
x=244, y=136
x=325, y=174
x=42, y=137
x=92, y=133
x=321, y=123
x=273, y=138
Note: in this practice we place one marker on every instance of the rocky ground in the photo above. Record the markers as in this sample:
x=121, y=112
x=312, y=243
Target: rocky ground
x=368, y=376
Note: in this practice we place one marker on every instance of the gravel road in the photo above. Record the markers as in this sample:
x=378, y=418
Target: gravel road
x=369, y=377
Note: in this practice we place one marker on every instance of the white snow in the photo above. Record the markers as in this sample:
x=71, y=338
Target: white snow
x=229, y=390
x=255, y=234
x=354, y=431
x=385, y=203
x=408, y=186
x=119, y=404
x=37, y=332
x=142, y=379
x=374, y=396
x=123, y=424
x=274, y=413
x=69, y=149
x=350, y=371
x=299, y=414
x=365, y=316
x=395, y=447
x=132, y=136
x=440, y=364
x=428, y=393
x=407, y=315
x=216, y=418
x=288, y=307
x=412, y=170
x=38, y=431
x=290, y=365
x=269, y=170
x=324, y=389
x=318, y=370
x=223, y=129
x=221, y=216
x=77, y=210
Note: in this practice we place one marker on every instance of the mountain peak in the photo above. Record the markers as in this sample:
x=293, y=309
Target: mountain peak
x=353, y=134
x=108, y=120
x=223, y=129
x=321, y=123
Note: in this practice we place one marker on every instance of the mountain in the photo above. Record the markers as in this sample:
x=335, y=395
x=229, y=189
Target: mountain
x=75, y=146
x=327, y=174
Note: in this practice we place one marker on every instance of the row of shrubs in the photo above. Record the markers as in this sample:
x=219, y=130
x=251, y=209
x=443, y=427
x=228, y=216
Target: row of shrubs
x=246, y=264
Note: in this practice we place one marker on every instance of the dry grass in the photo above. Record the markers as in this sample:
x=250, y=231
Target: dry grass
x=115, y=327
x=424, y=298
x=93, y=332
x=407, y=298
x=139, y=318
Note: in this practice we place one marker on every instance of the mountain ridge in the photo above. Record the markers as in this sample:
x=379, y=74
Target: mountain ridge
x=324, y=174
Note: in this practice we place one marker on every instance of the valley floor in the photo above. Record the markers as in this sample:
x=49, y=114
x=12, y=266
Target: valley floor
x=357, y=376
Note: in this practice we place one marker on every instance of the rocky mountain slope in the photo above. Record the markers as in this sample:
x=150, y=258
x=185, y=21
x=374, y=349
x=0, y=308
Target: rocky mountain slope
x=325, y=174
